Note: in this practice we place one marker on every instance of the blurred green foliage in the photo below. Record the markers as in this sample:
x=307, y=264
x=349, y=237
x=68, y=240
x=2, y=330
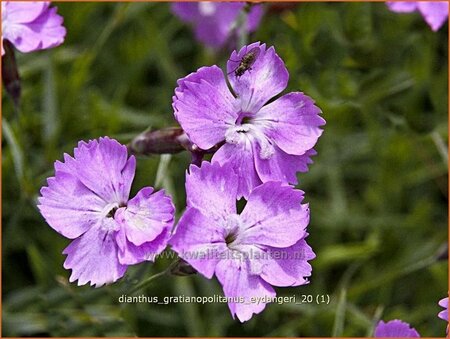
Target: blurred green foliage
x=377, y=189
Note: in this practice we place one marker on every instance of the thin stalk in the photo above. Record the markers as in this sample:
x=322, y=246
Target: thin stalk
x=440, y=145
x=339, y=319
x=147, y=281
x=16, y=151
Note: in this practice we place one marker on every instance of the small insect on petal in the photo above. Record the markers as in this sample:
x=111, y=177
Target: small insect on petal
x=246, y=62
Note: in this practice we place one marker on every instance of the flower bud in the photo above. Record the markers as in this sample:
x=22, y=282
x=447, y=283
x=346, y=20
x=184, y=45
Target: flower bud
x=163, y=141
x=10, y=73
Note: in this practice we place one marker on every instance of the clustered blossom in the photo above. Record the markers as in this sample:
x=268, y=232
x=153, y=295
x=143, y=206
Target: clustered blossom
x=264, y=145
x=31, y=26
x=395, y=329
x=214, y=21
x=88, y=200
x=435, y=13
x=264, y=141
x=248, y=252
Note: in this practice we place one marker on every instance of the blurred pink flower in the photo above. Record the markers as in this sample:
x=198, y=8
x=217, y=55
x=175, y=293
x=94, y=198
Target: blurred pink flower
x=435, y=13
x=395, y=329
x=213, y=22
x=31, y=26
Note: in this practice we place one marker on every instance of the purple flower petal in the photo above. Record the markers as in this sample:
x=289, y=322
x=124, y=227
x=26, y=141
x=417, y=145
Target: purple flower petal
x=292, y=121
x=395, y=329
x=443, y=314
x=402, y=6
x=31, y=26
x=215, y=22
x=241, y=158
x=199, y=240
x=212, y=189
x=45, y=32
x=204, y=108
x=68, y=206
x=93, y=256
x=211, y=74
x=281, y=166
x=130, y=254
x=288, y=164
x=254, y=17
x=287, y=266
x=22, y=12
x=273, y=216
x=267, y=77
x=103, y=167
x=147, y=215
x=146, y=223
x=186, y=11
x=238, y=283
x=435, y=13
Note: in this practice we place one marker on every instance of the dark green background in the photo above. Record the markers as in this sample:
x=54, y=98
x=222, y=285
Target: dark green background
x=377, y=188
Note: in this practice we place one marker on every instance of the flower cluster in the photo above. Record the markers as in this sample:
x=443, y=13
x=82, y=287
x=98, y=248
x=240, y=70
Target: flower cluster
x=264, y=145
x=260, y=140
x=31, y=26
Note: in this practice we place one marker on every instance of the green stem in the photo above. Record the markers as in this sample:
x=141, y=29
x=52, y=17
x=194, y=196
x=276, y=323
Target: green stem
x=440, y=145
x=16, y=152
x=147, y=281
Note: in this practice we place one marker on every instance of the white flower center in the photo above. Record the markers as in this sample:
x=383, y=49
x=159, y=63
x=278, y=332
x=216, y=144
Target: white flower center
x=247, y=134
x=237, y=134
x=233, y=228
x=109, y=210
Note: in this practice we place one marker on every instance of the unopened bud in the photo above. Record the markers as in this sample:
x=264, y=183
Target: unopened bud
x=169, y=140
x=10, y=73
x=162, y=141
